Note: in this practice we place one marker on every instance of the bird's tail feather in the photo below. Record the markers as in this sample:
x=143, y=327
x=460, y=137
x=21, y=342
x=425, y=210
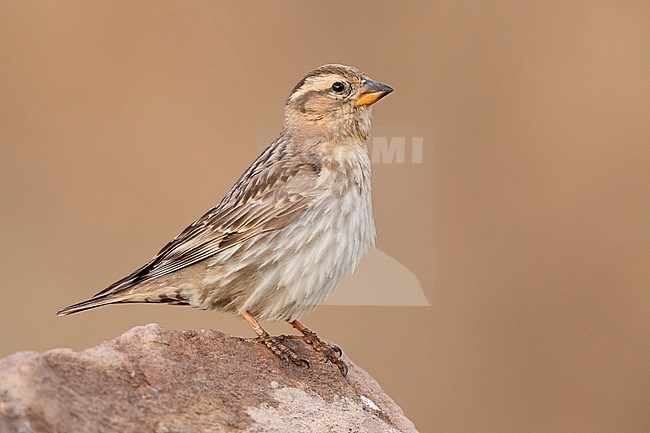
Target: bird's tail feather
x=95, y=302
x=159, y=296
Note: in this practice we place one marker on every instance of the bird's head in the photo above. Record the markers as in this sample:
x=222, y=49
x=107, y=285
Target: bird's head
x=334, y=100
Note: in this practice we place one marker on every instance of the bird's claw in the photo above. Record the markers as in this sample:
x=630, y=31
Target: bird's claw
x=332, y=352
x=343, y=367
x=274, y=344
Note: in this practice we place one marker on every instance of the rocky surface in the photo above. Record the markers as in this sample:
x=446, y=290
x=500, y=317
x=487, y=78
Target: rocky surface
x=151, y=379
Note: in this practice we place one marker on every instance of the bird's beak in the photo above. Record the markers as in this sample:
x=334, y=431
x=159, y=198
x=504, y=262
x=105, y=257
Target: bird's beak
x=372, y=92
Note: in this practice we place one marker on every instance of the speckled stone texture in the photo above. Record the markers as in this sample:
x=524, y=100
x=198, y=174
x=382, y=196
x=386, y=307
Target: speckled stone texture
x=156, y=380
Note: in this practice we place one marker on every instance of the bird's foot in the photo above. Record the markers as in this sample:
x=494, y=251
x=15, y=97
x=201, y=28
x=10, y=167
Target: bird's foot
x=331, y=352
x=280, y=350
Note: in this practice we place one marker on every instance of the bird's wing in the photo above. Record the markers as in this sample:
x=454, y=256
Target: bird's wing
x=263, y=200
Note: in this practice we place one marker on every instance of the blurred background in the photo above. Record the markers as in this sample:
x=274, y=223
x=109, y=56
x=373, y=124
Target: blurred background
x=527, y=222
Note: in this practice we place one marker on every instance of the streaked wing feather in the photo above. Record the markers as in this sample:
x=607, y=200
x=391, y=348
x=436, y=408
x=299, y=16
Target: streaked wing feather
x=222, y=238
x=268, y=200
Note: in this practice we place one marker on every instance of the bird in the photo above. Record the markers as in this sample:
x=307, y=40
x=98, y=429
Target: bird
x=295, y=223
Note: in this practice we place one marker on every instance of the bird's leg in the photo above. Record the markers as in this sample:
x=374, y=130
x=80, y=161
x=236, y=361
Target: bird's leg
x=273, y=343
x=332, y=353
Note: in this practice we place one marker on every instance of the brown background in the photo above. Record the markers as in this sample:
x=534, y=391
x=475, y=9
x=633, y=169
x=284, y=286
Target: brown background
x=528, y=224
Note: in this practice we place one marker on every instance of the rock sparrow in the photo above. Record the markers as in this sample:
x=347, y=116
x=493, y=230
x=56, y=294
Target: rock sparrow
x=295, y=223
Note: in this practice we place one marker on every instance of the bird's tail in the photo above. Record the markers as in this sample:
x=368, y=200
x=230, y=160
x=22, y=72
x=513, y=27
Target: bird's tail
x=101, y=299
x=95, y=302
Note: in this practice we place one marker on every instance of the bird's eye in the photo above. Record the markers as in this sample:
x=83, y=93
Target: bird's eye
x=338, y=87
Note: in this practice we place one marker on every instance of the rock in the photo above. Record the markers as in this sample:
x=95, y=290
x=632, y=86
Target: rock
x=152, y=379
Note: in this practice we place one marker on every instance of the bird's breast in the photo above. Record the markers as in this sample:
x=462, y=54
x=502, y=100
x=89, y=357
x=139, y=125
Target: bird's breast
x=285, y=272
x=325, y=246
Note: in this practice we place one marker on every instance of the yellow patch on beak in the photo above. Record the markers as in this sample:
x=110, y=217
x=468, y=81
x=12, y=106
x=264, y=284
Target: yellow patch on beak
x=372, y=92
x=369, y=98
